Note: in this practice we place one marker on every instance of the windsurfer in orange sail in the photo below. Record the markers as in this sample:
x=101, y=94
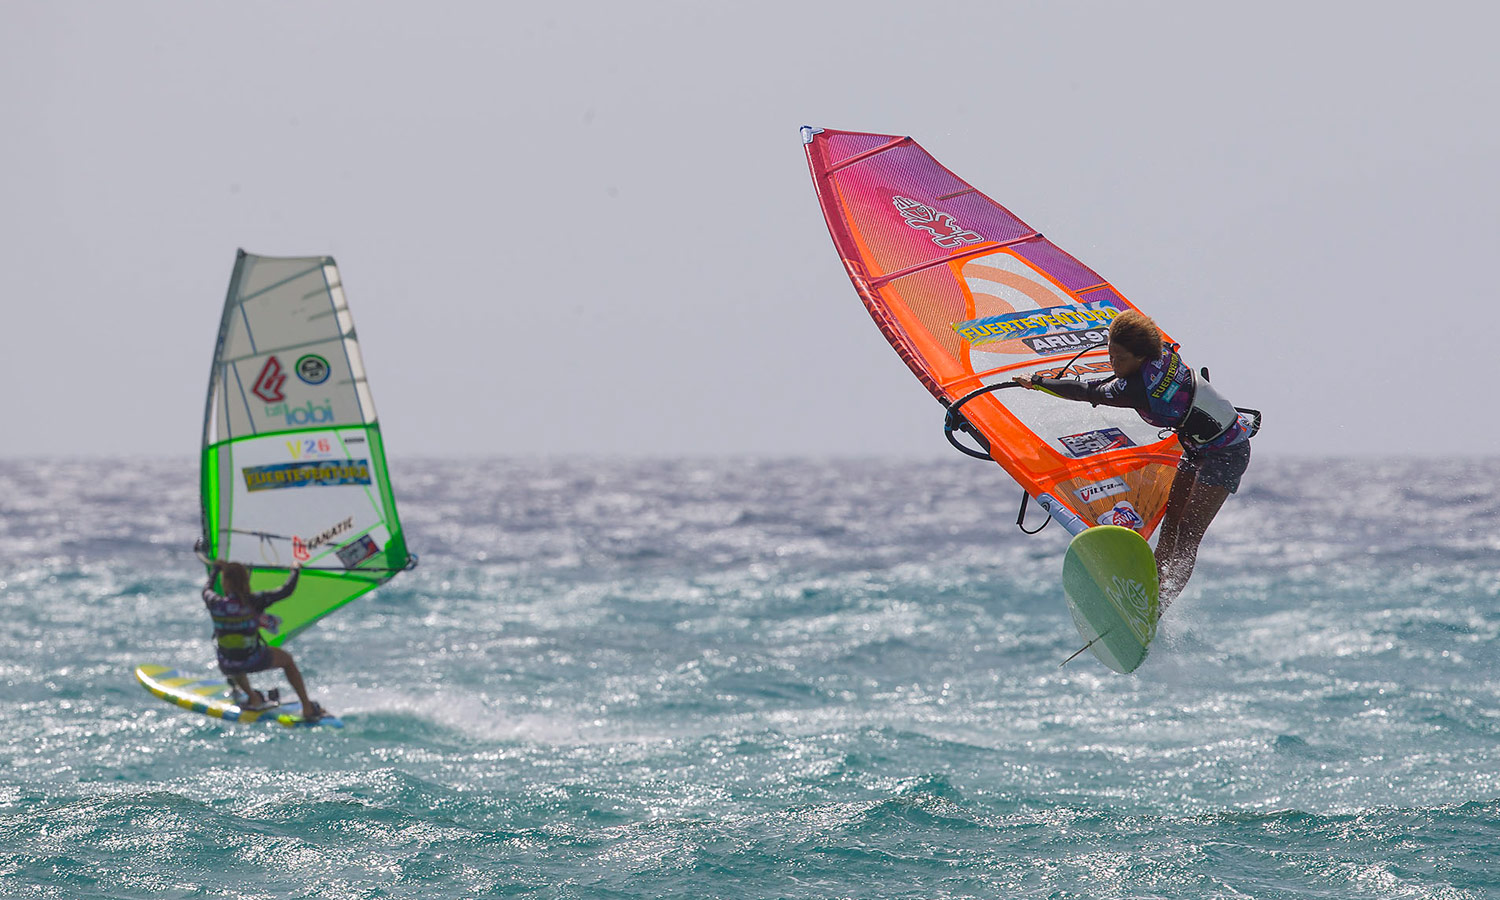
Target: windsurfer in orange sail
x=1152, y=379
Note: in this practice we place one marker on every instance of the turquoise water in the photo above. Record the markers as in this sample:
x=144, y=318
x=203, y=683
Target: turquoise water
x=748, y=679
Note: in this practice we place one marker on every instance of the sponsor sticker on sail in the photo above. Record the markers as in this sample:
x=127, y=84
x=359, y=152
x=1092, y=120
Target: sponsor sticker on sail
x=1086, y=322
x=1100, y=440
x=1109, y=487
x=1124, y=515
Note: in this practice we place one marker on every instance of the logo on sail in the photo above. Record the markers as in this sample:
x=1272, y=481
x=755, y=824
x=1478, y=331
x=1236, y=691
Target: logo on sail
x=268, y=383
x=302, y=548
x=308, y=414
x=945, y=230
x=359, y=551
x=311, y=448
x=1090, y=442
x=1100, y=489
x=312, y=369
x=295, y=475
x=1088, y=320
x=1068, y=342
x=1123, y=515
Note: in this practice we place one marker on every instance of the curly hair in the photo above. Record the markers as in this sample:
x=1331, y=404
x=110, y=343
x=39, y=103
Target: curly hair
x=1134, y=331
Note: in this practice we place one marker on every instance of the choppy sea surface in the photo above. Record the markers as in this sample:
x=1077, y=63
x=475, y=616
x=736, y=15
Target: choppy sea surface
x=750, y=679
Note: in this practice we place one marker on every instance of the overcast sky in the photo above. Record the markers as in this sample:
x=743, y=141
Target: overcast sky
x=589, y=227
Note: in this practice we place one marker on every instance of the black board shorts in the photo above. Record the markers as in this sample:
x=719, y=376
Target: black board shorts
x=1220, y=468
x=259, y=661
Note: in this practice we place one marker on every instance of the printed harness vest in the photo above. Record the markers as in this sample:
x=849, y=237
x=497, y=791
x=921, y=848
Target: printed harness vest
x=1179, y=400
x=236, y=627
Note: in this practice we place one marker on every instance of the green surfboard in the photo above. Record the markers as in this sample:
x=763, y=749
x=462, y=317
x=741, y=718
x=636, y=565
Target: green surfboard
x=1109, y=575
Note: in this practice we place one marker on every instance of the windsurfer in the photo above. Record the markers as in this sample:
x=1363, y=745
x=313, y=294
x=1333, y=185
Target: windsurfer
x=238, y=615
x=1152, y=379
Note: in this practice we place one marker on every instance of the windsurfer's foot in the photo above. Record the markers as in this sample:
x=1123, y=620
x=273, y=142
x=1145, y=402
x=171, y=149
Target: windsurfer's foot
x=256, y=701
x=312, y=711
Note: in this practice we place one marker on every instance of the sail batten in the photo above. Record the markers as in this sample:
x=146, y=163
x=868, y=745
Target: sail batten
x=294, y=466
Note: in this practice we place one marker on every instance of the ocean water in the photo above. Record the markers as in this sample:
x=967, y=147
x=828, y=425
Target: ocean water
x=750, y=679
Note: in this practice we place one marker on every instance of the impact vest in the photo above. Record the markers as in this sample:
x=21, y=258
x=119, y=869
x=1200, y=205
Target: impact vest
x=236, y=626
x=238, y=621
x=1180, y=400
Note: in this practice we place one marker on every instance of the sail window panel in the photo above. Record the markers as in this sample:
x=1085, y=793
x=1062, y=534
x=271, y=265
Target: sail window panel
x=261, y=273
x=291, y=314
x=1057, y=262
x=934, y=302
x=237, y=344
x=843, y=146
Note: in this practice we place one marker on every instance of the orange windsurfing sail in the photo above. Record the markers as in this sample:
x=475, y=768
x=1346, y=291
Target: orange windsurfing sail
x=969, y=296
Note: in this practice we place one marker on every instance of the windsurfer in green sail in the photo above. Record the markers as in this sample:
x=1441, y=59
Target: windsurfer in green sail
x=1152, y=379
x=238, y=615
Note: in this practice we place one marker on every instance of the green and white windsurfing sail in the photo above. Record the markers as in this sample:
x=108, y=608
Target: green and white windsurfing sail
x=293, y=464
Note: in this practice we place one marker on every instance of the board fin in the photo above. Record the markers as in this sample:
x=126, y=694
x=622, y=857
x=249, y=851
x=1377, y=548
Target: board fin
x=1079, y=651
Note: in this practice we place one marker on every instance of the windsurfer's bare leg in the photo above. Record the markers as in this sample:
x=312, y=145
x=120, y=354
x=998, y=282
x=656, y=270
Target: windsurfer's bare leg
x=253, y=697
x=1191, y=506
x=283, y=660
x=1171, y=522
